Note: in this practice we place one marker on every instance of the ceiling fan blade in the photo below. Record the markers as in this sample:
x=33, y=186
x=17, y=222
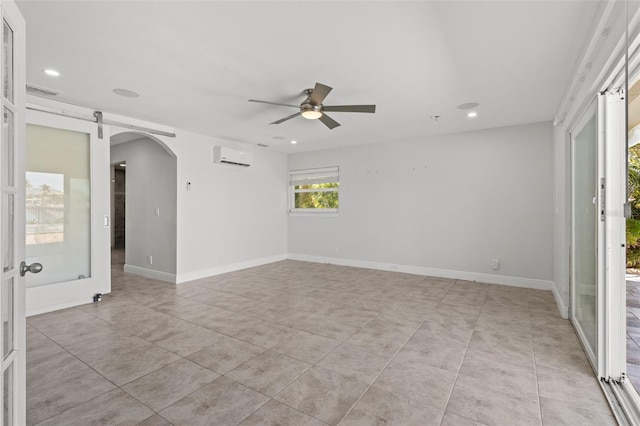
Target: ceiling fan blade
x=274, y=103
x=350, y=108
x=328, y=121
x=320, y=91
x=286, y=118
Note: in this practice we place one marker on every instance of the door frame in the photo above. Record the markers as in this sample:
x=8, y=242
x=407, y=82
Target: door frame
x=17, y=357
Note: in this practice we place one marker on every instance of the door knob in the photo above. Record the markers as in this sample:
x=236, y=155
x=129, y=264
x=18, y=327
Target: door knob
x=34, y=268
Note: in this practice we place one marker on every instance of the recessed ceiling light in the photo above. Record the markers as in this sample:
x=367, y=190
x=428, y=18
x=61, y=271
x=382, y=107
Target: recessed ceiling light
x=468, y=105
x=122, y=165
x=472, y=114
x=52, y=72
x=294, y=142
x=126, y=93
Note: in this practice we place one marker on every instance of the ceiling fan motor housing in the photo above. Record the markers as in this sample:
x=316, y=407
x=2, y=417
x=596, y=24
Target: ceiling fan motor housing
x=308, y=106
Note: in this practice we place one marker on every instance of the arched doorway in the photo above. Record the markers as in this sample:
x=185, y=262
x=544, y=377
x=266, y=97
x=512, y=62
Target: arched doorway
x=143, y=205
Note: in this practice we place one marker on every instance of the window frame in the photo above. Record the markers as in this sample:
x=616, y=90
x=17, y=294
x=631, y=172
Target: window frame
x=313, y=176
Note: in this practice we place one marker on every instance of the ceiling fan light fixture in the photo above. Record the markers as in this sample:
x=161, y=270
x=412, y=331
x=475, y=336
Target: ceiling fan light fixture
x=311, y=114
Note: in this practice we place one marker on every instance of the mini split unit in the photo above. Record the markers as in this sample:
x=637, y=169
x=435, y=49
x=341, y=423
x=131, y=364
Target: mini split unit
x=224, y=155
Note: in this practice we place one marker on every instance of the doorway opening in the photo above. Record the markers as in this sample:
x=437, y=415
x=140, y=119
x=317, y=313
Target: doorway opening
x=118, y=213
x=143, y=206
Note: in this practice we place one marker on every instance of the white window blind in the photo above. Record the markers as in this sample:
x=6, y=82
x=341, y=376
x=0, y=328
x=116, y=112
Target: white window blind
x=311, y=176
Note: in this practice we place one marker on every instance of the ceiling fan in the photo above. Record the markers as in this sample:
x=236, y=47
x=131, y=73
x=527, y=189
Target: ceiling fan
x=312, y=108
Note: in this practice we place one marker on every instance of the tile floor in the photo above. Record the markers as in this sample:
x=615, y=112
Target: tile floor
x=295, y=343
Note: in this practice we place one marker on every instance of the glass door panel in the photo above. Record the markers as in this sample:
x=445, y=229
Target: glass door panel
x=7, y=61
x=7, y=149
x=8, y=319
x=584, y=232
x=58, y=204
x=8, y=228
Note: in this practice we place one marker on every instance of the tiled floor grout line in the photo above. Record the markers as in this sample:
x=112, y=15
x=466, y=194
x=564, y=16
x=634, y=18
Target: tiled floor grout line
x=319, y=361
x=294, y=408
x=535, y=363
x=379, y=373
x=446, y=407
x=535, y=367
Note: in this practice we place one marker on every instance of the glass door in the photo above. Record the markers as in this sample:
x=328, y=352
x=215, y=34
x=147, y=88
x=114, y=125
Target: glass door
x=584, y=231
x=58, y=204
x=12, y=336
x=598, y=233
x=67, y=211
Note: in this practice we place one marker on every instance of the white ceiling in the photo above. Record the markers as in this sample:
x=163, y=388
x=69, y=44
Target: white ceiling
x=196, y=63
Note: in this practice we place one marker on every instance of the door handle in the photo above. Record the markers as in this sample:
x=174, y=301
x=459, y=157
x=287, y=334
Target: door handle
x=34, y=268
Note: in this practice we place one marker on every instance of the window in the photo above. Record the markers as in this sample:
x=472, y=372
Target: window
x=314, y=190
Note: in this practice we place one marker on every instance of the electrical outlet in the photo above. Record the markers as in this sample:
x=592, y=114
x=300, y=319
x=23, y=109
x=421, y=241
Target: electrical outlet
x=335, y=250
x=157, y=211
x=150, y=260
x=495, y=264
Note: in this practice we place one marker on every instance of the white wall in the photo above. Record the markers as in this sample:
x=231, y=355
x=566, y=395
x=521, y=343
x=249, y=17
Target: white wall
x=233, y=216
x=444, y=206
x=150, y=185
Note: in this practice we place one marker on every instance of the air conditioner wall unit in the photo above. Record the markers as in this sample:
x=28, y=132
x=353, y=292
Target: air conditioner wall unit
x=224, y=155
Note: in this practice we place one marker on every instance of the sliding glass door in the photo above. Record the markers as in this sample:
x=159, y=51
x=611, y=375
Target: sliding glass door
x=598, y=236
x=584, y=231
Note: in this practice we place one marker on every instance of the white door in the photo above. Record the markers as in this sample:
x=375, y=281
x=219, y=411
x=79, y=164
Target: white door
x=598, y=233
x=12, y=294
x=612, y=307
x=67, y=211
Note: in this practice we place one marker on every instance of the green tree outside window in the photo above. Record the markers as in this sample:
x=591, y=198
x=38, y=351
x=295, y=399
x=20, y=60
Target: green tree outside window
x=323, y=198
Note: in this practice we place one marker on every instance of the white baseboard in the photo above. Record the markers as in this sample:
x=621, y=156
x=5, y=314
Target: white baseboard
x=203, y=273
x=150, y=273
x=564, y=309
x=432, y=272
